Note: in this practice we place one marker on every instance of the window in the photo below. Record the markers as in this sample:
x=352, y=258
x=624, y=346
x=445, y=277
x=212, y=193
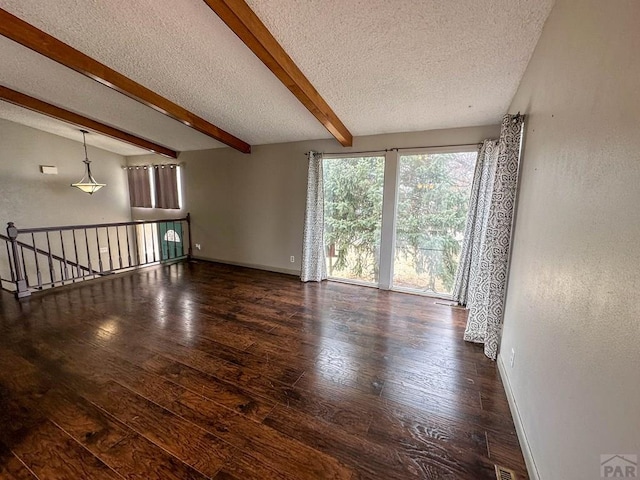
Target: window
x=353, y=216
x=433, y=202
x=398, y=220
x=157, y=186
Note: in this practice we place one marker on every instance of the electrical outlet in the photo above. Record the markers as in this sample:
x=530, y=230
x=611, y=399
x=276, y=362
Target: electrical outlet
x=292, y=259
x=198, y=247
x=104, y=249
x=512, y=358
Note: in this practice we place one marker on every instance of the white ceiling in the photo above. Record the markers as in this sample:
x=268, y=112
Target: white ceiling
x=383, y=66
x=32, y=119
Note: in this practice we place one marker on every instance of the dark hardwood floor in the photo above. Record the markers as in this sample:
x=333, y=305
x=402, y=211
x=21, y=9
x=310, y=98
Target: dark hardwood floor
x=199, y=370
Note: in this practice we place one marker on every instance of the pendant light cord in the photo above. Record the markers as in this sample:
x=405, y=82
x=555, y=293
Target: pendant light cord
x=86, y=157
x=84, y=141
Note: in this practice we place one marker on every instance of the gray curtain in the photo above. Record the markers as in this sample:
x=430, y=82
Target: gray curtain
x=139, y=187
x=314, y=267
x=476, y=220
x=166, y=181
x=488, y=272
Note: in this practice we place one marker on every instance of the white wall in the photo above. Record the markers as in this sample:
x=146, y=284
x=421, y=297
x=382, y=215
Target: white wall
x=31, y=199
x=249, y=209
x=571, y=315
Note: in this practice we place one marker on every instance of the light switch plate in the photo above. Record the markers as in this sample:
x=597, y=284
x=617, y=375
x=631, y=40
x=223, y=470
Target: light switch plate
x=49, y=169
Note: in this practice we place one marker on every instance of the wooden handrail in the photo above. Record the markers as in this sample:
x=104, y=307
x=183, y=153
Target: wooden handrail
x=136, y=253
x=99, y=225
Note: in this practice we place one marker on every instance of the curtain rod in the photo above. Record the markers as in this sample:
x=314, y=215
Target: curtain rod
x=181, y=164
x=397, y=149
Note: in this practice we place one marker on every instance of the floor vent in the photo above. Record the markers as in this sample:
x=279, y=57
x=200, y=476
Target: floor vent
x=505, y=474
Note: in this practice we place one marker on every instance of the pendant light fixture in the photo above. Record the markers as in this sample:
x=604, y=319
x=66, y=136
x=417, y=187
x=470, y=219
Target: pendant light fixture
x=88, y=184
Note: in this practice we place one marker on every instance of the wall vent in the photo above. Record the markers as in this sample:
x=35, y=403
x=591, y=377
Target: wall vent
x=505, y=474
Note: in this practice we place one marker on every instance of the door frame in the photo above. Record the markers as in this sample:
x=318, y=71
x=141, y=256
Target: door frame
x=390, y=209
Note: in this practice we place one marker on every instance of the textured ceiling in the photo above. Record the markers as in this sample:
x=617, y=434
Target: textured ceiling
x=406, y=65
x=31, y=119
x=31, y=73
x=383, y=66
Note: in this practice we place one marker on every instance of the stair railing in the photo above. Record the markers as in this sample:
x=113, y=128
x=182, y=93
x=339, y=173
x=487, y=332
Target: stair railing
x=47, y=257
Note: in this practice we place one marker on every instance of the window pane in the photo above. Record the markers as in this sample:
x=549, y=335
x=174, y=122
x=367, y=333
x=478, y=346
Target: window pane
x=433, y=201
x=353, y=216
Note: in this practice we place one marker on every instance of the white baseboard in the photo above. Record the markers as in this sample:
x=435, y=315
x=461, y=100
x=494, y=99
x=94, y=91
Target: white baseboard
x=250, y=265
x=532, y=470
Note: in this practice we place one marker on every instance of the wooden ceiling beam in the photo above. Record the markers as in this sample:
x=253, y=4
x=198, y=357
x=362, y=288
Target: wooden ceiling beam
x=31, y=37
x=249, y=28
x=31, y=103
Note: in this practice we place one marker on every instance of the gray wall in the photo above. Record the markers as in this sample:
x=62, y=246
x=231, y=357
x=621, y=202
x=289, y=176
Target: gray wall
x=249, y=209
x=571, y=314
x=31, y=199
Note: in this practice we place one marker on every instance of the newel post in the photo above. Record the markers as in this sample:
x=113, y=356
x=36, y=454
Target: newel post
x=190, y=251
x=21, y=284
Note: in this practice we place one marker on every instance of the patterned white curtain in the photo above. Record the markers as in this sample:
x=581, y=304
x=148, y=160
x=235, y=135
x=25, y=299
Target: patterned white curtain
x=476, y=220
x=314, y=267
x=488, y=272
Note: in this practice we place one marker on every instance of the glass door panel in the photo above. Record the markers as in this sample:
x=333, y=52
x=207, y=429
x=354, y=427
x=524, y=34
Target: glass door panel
x=433, y=201
x=353, y=217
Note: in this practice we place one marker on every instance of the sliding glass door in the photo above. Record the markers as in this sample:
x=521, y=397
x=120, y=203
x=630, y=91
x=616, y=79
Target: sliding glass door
x=433, y=201
x=415, y=245
x=353, y=217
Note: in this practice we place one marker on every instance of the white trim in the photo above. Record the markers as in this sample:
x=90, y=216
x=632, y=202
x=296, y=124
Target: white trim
x=386, y=259
x=532, y=469
x=398, y=159
x=377, y=283
x=388, y=224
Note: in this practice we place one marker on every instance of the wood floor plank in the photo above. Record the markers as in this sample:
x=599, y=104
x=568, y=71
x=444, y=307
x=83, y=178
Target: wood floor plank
x=332, y=374
x=117, y=446
x=125, y=451
x=262, y=388
x=201, y=450
x=243, y=466
x=50, y=453
x=201, y=359
x=225, y=392
x=448, y=408
x=201, y=370
x=394, y=423
x=268, y=446
x=11, y=468
x=364, y=456
x=270, y=450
